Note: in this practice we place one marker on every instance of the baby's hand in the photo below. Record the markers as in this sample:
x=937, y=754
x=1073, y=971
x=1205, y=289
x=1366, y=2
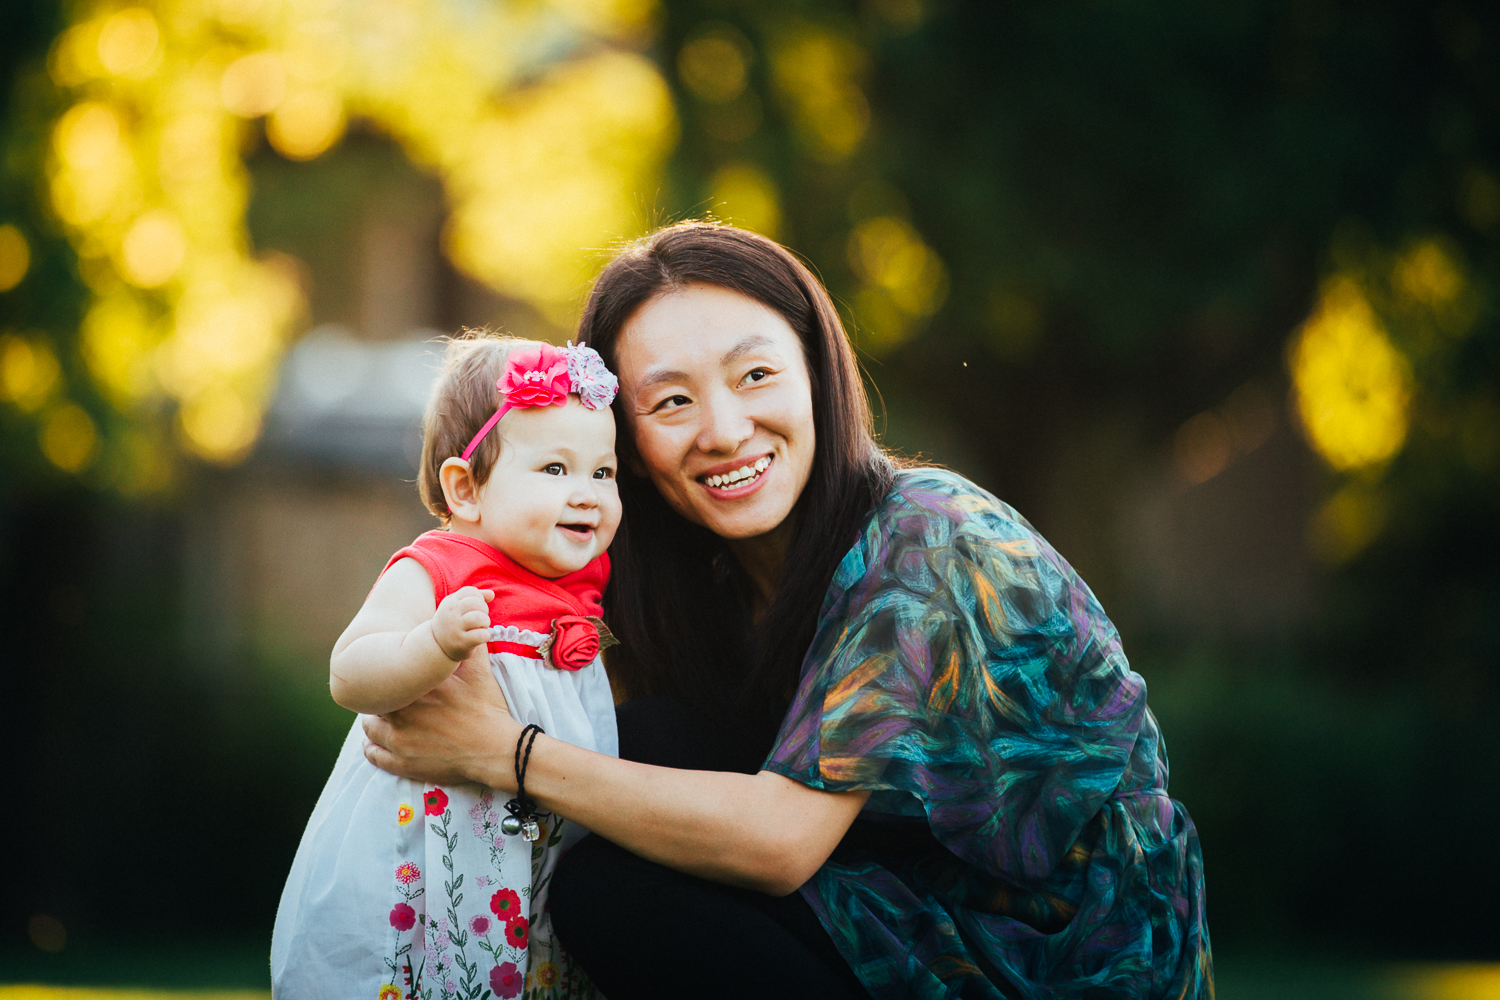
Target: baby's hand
x=462, y=622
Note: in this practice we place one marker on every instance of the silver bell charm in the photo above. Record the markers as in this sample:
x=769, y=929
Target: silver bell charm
x=530, y=831
x=510, y=826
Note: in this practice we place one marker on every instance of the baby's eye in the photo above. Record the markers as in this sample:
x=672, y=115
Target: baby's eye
x=555, y=469
x=604, y=473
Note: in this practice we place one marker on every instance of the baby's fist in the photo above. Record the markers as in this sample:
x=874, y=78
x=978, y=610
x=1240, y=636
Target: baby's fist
x=462, y=622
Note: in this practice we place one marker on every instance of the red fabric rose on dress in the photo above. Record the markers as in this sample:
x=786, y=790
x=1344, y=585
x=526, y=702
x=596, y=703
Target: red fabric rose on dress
x=436, y=800
x=505, y=980
x=402, y=917
x=575, y=642
x=517, y=932
x=536, y=376
x=506, y=905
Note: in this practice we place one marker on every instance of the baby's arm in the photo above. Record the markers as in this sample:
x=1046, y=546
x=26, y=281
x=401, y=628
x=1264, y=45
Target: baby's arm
x=400, y=646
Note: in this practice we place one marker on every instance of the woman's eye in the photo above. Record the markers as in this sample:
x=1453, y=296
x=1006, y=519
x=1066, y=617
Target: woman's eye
x=755, y=375
x=672, y=402
x=554, y=469
x=604, y=473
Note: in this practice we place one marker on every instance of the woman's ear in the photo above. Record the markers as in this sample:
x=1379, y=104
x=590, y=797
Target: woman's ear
x=459, y=491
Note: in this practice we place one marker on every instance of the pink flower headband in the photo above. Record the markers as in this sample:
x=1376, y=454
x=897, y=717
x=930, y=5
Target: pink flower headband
x=544, y=376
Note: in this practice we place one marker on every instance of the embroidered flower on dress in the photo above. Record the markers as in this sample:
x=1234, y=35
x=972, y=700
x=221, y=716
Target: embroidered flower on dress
x=402, y=917
x=517, y=932
x=436, y=800
x=404, y=813
x=479, y=924
x=505, y=980
x=390, y=992
x=482, y=881
x=506, y=905
x=407, y=873
x=592, y=380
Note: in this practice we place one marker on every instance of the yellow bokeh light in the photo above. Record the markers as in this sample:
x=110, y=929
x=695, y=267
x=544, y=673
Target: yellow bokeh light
x=306, y=124
x=127, y=41
x=116, y=340
x=541, y=163
x=68, y=438
x=316, y=51
x=219, y=425
x=1427, y=274
x=153, y=249
x=1353, y=388
x=887, y=252
x=714, y=66
x=28, y=372
x=1346, y=524
x=574, y=144
x=88, y=135
x=816, y=73
x=74, y=58
x=746, y=196
x=253, y=85
x=15, y=257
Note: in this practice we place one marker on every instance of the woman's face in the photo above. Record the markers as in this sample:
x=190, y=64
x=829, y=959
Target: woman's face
x=716, y=389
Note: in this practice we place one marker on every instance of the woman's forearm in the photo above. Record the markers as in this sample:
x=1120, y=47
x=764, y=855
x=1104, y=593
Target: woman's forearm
x=760, y=831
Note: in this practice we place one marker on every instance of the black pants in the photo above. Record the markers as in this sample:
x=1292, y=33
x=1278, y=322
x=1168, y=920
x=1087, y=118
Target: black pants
x=641, y=930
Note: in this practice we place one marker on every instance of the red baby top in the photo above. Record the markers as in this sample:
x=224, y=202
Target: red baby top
x=522, y=598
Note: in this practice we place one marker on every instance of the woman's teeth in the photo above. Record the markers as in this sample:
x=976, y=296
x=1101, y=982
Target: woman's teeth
x=741, y=476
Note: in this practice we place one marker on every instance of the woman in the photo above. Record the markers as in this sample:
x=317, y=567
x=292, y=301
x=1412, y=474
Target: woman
x=905, y=755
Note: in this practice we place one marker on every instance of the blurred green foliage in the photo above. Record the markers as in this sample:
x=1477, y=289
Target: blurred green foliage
x=1042, y=220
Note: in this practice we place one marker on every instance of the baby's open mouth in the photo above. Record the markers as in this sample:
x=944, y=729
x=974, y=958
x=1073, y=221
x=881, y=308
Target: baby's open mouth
x=578, y=529
x=743, y=476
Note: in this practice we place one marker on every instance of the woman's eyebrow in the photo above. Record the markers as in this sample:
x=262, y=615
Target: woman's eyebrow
x=656, y=376
x=744, y=347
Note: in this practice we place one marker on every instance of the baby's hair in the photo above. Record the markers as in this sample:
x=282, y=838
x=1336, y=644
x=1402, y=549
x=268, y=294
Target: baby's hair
x=463, y=398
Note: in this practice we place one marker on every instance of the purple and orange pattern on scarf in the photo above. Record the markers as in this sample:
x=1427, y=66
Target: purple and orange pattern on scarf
x=965, y=675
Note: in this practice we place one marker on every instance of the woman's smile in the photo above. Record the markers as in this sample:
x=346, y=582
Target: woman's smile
x=731, y=480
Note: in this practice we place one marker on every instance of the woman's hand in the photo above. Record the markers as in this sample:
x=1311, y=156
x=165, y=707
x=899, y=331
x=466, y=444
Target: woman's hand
x=461, y=730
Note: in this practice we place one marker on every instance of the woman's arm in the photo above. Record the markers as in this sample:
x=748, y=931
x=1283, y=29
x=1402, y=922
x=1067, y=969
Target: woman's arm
x=400, y=645
x=760, y=831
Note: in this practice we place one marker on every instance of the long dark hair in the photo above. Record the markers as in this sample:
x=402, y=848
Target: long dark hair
x=677, y=599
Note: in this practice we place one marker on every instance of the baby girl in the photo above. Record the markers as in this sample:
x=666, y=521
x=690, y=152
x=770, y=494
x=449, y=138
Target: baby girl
x=400, y=890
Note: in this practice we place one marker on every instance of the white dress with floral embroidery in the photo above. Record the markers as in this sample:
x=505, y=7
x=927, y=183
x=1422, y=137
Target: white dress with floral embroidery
x=403, y=891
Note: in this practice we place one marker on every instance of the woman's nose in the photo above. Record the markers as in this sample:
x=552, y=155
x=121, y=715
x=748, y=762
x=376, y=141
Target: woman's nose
x=725, y=426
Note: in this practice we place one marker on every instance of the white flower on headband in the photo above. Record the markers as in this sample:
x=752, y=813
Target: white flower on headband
x=595, y=384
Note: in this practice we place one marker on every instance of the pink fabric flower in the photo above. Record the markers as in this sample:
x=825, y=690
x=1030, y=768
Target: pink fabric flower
x=536, y=376
x=505, y=980
x=402, y=917
x=479, y=924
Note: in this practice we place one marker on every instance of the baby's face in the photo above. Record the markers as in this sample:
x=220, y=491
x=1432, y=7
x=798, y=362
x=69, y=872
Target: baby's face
x=551, y=503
